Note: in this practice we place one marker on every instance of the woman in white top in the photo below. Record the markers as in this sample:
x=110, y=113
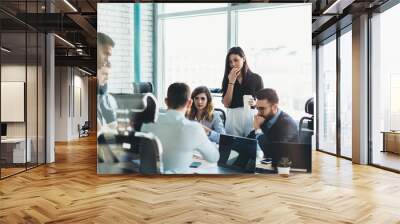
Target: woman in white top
x=202, y=110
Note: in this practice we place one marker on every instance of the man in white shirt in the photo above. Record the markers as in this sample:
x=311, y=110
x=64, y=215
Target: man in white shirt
x=179, y=136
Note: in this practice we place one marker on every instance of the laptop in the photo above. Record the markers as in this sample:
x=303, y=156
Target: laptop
x=237, y=154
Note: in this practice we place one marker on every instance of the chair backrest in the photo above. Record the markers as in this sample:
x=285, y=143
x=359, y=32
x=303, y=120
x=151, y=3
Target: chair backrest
x=306, y=124
x=150, y=153
x=142, y=87
x=86, y=125
x=148, y=115
x=309, y=107
x=222, y=114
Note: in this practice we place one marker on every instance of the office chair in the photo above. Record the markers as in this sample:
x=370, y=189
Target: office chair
x=215, y=90
x=306, y=124
x=150, y=153
x=133, y=110
x=142, y=87
x=150, y=148
x=222, y=114
x=148, y=115
x=83, y=131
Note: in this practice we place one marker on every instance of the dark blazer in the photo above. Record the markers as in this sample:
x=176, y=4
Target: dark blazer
x=284, y=130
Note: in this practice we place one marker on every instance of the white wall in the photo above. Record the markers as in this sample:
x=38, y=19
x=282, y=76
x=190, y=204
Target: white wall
x=147, y=43
x=33, y=126
x=70, y=84
x=117, y=21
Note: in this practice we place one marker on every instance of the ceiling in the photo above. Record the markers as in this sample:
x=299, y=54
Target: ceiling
x=76, y=22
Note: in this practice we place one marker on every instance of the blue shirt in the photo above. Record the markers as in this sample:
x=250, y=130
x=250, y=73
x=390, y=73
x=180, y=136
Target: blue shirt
x=268, y=124
x=272, y=121
x=216, y=125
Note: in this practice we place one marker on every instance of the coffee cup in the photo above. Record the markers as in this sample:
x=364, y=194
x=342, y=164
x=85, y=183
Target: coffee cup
x=246, y=101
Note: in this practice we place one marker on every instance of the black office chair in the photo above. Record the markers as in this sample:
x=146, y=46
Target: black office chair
x=215, y=90
x=142, y=87
x=142, y=108
x=148, y=115
x=306, y=124
x=150, y=152
x=150, y=148
x=222, y=114
x=83, y=131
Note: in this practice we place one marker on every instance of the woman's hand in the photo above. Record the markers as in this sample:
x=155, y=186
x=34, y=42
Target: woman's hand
x=233, y=74
x=252, y=102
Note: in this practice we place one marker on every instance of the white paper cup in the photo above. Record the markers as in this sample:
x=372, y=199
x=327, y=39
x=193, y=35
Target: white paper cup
x=246, y=99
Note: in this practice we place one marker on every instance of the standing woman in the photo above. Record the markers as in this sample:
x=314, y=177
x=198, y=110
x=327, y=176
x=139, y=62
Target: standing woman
x=239, y=81
x=202, y=110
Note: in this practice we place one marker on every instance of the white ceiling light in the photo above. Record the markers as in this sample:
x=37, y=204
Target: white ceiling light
x=5, y=50
x=65, y=41
x=86, y=72
x=337, y=7
x=70, y=5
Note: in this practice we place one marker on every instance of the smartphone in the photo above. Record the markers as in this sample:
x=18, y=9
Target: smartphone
x=195, y=164
x=266, y=161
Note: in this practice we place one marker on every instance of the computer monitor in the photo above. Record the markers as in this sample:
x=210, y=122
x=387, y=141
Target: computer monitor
x=3, y=129
x=237, y=153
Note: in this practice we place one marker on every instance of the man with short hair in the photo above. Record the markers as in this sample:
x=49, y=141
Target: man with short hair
x=105, y=45
x=271, y=124
x=106, y=104
x=179, y=136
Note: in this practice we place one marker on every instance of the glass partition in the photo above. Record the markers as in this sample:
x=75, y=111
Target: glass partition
x=22, y=91
x=327, y=96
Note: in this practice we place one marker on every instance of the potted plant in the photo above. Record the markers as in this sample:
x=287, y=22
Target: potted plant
x=284, y=166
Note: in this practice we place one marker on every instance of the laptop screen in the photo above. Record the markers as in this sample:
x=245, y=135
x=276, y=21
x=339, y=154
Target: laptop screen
x=237, y=153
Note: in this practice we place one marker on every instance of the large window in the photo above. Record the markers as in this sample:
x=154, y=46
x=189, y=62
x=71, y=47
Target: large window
x=327, y=96
x=194, y=44
x=184, y=7
x=385, y=84
x=194, y=50
x=280, y=52
x=346, y=94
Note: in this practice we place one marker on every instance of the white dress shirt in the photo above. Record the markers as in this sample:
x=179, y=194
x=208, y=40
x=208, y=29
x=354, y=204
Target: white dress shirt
x=180, y=137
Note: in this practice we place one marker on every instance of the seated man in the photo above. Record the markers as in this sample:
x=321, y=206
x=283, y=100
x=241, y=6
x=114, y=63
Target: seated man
x=271, y=124
x=179, y=136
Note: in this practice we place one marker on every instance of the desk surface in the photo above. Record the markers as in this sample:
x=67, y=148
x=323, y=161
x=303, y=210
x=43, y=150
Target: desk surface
x=213, y=168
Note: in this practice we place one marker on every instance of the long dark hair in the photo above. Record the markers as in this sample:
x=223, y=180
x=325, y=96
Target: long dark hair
x=244, y=70
x=209, y=108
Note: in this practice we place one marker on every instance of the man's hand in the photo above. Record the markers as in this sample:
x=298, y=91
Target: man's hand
x=258, y=121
